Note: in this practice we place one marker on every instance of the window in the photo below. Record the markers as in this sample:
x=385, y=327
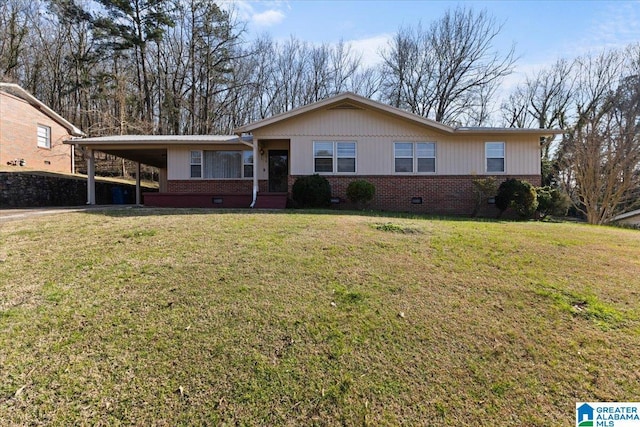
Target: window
x=403, y=152
x=494, y=153
x=221, y=164
x=323, y=156
x=346, y=159
x=44, y=136
x=426, y=156
x=247, y=162
x=196, y=164
x=414, y=156
x=334, y=156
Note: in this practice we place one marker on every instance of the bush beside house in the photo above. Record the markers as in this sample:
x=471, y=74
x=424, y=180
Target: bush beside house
x=518, y=195
x=552, y=201
x=313, y=191
x=360, y=192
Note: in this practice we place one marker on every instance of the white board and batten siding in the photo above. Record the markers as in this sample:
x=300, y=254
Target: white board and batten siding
x=375, y=133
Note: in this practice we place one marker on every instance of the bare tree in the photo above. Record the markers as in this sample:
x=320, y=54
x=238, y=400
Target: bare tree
x=344, y=67
x=543, y=99
x=13, y=31
x=283, y=76
x=600, y=153
x=365, y=82
x=448, y=70
x=409, y=71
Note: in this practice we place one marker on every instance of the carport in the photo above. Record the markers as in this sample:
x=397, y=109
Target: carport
x=150, y=150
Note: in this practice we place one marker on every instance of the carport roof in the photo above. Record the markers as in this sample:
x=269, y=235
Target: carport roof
x=151, y=149
x=158, y=139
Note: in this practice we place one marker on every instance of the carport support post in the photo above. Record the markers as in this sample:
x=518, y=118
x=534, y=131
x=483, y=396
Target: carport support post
x=91, y=178
x=138, y=198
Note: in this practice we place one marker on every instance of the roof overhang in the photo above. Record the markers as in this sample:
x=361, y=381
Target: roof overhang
x=546, y=133
x=162, y=139
x=356, y=101
x=18, y=91
x=626, y=215
x=152, y=149
x=350, y=99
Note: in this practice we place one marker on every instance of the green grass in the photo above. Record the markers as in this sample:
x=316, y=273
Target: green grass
x=192, y=317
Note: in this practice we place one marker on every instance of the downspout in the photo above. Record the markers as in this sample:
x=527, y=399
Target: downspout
x=254, y=145
x=255, y=173
x=91, y=178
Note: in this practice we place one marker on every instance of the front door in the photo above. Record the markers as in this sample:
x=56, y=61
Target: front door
x=278, y=171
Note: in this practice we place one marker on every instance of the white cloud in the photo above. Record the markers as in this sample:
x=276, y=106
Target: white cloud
x=241, y=9
x=268, y=18
x=370, y=48
x=615, y=26
x=245, y=10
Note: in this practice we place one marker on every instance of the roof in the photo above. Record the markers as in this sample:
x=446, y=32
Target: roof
x=18, y=91
x=353, y=100
x=160, y=139
x=152, y=149
x=626, y=215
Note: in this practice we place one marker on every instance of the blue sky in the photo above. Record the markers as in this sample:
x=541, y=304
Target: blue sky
x=541, y=30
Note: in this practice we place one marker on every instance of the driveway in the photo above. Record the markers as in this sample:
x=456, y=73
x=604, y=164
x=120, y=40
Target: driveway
x=23, y=213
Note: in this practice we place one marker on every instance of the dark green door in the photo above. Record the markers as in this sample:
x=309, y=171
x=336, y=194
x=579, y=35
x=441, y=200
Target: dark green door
x=278, y=171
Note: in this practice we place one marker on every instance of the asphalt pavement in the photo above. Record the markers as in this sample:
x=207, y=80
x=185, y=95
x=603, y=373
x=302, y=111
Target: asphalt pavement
x=24, y=213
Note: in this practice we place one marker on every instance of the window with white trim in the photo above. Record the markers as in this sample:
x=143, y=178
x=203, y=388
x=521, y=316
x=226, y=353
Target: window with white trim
x=414, y=156
x=247, y=164
x=334, y=157
x=494, y=157
x=196, y=164
x=44, y=136
x=220, y=164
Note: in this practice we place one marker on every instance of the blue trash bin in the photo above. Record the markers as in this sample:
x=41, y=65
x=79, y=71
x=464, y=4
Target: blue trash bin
x=117, y=196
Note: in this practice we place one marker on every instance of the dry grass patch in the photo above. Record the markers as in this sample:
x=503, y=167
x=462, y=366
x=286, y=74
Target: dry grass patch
x=200, y=317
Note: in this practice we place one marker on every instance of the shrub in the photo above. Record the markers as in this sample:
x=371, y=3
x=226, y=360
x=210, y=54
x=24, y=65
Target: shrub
x=313, y=191
x=483, y=188
x=518, y=195
x=360, y=191
x=552, y=201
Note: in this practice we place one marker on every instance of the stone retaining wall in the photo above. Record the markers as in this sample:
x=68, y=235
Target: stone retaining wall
x=33, y=189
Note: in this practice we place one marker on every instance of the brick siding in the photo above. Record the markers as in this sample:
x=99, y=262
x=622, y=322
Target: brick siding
x=19, y=132
x=451, y=195
x=215, y=186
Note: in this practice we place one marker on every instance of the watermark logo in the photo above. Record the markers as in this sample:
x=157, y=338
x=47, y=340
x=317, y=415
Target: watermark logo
x=607, y=414
x=585, y=415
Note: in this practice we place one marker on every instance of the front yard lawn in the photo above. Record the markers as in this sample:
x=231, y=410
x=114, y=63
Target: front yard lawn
x=194, y=317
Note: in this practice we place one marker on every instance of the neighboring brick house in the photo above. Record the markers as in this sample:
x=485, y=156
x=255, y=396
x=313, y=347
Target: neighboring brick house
x=32, y=134
x=416, y=164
